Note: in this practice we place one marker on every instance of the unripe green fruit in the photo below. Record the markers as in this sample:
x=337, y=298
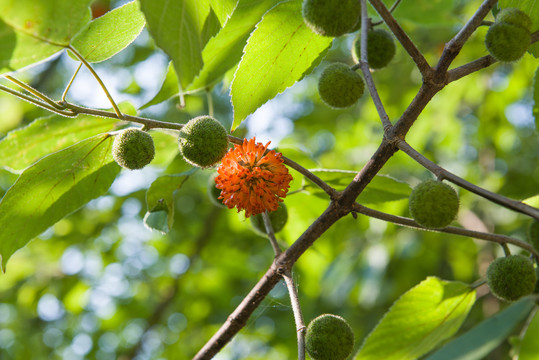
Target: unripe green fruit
x=507, y=42
x=329, y=337
x=533, y=234
x=433, y=204
x=133, y=149
x=339, y=86
x=278, y=220
x=203, y=141
x=514, y=16
x=380, y=48
x=509, y=278
x=331, y=17
x=214, y=192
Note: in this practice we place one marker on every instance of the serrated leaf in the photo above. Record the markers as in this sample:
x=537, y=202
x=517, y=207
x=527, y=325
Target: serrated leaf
x=109, y=34
x=178, y=27
x=53, y=21
x=532, y=201
x=530, y=7
x=160, y=200
x=485, y=337
x=22, y=147
x=529, y=348
x=419, y=320
x=52, y=188
x=381, y=189
x=169, y=88
x=224, y=50
x=223, y=8
x=535, y=110
x=278, y=53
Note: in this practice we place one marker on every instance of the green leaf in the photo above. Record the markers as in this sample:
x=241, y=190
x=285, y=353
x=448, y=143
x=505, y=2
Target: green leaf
x=224, y=51
x=441, y=12
x=530, y=8
x=52, y=21
x=22, y=147
x=169, y=88
x=279, y=52
x=178, y=27
x=381, y=189
x=52, y=188
x=422, y=318
x=223, y=8
x=535, y=109
x=160, y=200
x=529, y=348
x=485, y=337
x=109, y=34
x=532, y=201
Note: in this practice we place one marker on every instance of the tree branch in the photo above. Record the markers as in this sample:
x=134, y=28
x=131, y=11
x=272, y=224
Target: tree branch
x=442, y=173
x=298, y=317
x=270, y=233
x=416, y=55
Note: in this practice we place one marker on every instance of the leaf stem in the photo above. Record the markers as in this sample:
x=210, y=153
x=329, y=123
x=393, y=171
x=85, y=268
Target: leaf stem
x=37, y=102
x=35, y=92
x=298, y=317
x=91, y=69
x=442, y=173
x=70, y=83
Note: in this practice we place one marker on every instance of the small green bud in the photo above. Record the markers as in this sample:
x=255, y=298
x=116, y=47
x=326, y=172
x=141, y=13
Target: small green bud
x=331, y=17
x=512, y=277
x=203, y=141
x=380, y=48
x=133, y=149
x=507, y=42
x=329, y=337
x=278, y=220
x=339, y=86
x=433, y=204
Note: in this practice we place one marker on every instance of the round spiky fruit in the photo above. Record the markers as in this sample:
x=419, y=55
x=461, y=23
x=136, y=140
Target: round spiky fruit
x=433, y=204
x=512, y=277
x=533, y=234
x=507, y=42
x=331, y=17
x=133, y=149
x=278, y=220
x=329, y=337
x=514, y=16
x=339, y=86
x=203, y=141
x=380, y=48
x=214, y=192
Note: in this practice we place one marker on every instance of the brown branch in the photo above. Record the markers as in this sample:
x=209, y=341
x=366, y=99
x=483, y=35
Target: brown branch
x=298, y=317
x=403, y=221
x=442, y=173
x=416, y=55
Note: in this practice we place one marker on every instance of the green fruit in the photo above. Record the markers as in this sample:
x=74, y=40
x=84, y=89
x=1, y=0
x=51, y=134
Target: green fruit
x=515, y=17
x=339, y=86
x=433, y=204
x=507, y=42
x=509, y=278
x=214, y=192
x=331, y=17
x=278, y=220
x=203, y=141
x=133, y=149
x=533, y=234
x=329, y=337
x=380, y=48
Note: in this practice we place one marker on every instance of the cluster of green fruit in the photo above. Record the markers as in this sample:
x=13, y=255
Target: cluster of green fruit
x=329, y=337
x=339, y=85
x=509, y=37
x=203, y=142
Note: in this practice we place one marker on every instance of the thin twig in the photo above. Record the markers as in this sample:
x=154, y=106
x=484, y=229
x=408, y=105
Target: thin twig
x=105, y=90
x=442, y=173
x=34, y=92
x=37, y=102
x=271, y=234
x=403, y=221
x=416, y=55
x=386, y=123
x=70, y=83
x=298, y=317
x=210, y=102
